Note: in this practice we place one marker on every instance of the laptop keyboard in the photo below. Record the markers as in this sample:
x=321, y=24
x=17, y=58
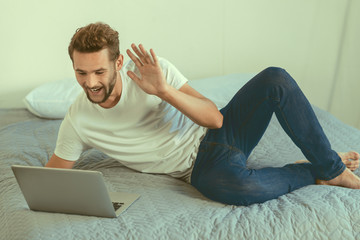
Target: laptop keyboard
x=117, y=205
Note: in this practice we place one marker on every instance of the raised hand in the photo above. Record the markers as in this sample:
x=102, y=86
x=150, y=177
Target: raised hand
x=152, y=80
x=186, y=99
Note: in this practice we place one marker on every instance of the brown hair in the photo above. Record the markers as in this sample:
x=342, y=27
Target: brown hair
x=95, y=37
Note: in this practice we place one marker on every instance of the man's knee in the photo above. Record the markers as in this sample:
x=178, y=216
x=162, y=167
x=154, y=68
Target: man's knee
x=276, y=74
x=274, y=70
x=278, y=78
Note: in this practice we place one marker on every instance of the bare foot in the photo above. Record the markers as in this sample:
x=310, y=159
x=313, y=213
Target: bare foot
x=346, y=179
x=350, y=159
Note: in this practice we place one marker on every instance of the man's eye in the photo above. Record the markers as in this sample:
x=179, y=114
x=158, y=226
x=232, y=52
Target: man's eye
x=82, y=73
x=99, y=73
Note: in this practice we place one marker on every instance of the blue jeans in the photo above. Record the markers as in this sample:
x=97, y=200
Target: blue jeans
x=220, y=171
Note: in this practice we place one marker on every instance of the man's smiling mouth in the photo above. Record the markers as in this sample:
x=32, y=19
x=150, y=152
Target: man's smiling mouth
x=95, y=89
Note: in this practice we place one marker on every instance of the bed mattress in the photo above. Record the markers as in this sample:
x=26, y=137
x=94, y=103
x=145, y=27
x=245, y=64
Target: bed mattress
x=170, y=208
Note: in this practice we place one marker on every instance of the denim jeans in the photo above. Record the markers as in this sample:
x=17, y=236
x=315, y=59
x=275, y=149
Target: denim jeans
x=220, y=172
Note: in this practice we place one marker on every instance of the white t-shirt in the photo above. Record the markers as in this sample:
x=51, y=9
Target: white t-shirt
x=142, y=131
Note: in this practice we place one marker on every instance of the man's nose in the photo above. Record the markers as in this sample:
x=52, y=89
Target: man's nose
x=91, y=81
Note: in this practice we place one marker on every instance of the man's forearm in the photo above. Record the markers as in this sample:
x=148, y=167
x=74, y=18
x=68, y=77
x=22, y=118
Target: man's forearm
x=57, y=162
x=196, y=107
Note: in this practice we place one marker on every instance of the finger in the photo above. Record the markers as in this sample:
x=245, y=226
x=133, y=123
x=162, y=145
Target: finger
x=146, y=55
x=154, y=57
x=137, y=51
x=133, y=76
x=136, y=60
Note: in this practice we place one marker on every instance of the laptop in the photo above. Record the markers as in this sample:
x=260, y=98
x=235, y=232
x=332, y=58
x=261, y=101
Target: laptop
x=70, y=191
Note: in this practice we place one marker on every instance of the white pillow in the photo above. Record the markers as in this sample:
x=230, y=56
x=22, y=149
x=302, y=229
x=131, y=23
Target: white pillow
x=52, y=100
x=221, y=89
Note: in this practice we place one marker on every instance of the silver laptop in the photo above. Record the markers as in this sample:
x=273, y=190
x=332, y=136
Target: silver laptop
x=70, y=191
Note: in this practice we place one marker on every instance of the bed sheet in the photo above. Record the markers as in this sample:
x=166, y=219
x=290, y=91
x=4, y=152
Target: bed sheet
x=172, y=209
x=9, y=116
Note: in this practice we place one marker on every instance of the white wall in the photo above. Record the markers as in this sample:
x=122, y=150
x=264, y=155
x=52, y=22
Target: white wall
x=345, y=101
x=317, y=41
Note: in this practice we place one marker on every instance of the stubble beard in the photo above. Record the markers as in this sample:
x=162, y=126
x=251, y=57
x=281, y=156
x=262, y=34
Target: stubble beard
x=107, y=89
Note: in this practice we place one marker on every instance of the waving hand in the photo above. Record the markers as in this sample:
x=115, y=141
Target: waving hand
x=186, y=99
x=152, y=80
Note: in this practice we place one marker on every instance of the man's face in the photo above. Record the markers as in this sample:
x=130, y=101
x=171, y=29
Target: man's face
x=96, y=74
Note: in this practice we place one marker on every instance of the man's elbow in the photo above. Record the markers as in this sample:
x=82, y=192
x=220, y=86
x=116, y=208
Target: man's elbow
x=218, y=122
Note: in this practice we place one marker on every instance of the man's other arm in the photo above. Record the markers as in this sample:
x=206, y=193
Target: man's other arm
x=57, y=162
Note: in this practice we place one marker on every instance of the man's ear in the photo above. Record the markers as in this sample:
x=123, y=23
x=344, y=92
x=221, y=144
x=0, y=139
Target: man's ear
x=119, y=62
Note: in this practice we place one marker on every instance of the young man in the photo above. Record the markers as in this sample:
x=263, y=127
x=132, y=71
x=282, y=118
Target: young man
x=145, y=115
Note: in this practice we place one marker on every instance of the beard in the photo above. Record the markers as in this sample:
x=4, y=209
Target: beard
x=107, y=90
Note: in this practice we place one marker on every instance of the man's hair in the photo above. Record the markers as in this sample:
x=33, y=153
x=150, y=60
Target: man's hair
x=95, y=37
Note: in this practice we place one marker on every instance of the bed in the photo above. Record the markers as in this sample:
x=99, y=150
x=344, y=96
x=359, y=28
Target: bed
x=170, y=208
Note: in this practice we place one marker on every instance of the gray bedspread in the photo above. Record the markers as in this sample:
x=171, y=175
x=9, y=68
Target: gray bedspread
x=171, y=209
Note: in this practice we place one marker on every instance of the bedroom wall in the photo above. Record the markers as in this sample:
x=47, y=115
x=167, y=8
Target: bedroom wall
x=312, y=39
x=345, y=102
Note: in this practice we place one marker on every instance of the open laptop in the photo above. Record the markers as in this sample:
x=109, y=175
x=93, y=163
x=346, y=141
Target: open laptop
x=70, y=191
